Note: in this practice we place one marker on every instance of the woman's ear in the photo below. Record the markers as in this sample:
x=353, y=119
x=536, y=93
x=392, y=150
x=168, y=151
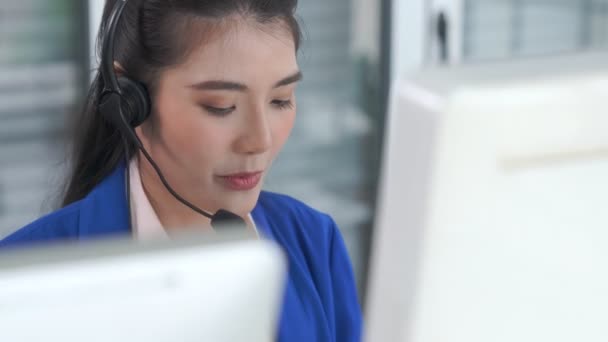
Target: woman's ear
x=118, y=69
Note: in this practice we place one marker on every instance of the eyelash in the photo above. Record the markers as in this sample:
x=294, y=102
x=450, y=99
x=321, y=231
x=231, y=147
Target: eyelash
x=279, y=104
x=219, y=111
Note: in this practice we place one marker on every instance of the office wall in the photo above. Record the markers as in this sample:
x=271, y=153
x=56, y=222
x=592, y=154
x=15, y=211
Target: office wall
x=410, y=23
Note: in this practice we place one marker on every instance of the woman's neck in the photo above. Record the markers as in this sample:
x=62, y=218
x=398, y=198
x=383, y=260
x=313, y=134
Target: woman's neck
x=173, y=214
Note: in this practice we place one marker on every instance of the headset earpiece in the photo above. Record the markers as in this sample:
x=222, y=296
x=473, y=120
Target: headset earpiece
x=135, y=101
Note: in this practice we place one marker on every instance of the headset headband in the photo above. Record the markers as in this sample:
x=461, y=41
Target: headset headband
x=108, y=75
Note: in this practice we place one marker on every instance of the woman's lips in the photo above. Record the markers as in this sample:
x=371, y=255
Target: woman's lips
x=242, y=181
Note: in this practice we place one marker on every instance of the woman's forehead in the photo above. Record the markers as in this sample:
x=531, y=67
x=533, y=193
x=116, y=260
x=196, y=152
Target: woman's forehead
x=243, y=48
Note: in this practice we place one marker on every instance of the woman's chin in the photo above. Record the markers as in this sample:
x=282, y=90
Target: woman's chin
x=242, y=203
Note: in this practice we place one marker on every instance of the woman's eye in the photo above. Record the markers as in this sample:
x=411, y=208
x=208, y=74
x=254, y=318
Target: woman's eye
x=283, y=104
x=219, y=111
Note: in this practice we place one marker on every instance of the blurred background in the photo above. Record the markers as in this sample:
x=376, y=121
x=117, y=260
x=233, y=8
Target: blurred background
x=353, y=50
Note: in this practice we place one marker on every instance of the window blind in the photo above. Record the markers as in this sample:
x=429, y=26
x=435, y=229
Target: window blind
x=39, y=81
x=513, y=28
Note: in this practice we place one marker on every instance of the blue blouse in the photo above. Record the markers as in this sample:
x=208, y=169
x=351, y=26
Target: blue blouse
x=320, y=302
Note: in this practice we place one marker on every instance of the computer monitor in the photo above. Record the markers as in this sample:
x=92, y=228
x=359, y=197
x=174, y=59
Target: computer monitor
x=202, y=289
x=492, y=221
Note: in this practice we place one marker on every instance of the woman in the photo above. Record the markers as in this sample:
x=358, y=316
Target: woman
x=220, y=76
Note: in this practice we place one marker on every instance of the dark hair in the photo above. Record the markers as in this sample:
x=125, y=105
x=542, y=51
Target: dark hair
x=151, y=36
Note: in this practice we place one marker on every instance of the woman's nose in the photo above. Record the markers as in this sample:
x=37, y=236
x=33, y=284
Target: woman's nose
x=257, y=134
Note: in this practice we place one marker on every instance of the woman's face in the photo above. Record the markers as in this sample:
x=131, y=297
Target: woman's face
x=221, y=117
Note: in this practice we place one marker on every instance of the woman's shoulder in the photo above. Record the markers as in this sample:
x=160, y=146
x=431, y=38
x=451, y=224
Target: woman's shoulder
x=319, y=265
x=285, y=208
x=61, y=224
x=294, y=223
x=282, y=202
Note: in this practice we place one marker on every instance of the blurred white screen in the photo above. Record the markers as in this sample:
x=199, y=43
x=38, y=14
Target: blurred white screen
x=493, y=218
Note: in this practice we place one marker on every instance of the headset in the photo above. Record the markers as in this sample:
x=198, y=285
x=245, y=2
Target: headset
x=126, y=104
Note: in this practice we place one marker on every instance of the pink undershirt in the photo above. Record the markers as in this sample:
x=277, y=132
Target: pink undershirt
x=146, y=224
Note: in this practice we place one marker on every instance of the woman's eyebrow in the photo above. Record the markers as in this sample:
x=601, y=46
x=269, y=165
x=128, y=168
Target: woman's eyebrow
x=235, y=86
x=295, y=77
x=219, y=85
